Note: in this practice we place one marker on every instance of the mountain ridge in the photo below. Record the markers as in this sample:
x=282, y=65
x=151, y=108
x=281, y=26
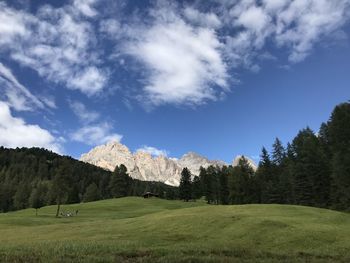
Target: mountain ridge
x=143, y=166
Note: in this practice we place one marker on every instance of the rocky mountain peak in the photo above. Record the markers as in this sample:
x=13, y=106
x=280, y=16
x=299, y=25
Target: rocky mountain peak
x=142, y=154
x=250, y=161
x=142, y=165
x=192, y=156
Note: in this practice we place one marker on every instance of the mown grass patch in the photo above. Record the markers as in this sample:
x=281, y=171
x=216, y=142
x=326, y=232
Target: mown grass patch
x=154, y=230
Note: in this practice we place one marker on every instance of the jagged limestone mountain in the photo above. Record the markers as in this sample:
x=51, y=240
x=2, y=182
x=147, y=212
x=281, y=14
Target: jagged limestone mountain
x=250, y=161
x=194, y=161
x=142, y=165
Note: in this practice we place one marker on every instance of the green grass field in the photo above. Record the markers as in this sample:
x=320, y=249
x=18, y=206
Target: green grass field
x=153, y=230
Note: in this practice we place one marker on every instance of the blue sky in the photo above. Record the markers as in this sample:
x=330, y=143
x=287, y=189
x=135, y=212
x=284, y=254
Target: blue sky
x=220, y=78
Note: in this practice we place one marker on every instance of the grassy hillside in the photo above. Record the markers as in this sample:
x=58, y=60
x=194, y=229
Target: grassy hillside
x=153, y=230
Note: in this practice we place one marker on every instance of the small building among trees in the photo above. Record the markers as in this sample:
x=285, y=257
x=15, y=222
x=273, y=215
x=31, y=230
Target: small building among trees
x=149, y=194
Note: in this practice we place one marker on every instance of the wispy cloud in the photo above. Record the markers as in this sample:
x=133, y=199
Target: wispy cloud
x=93, y=131
x=58, y=43
x=183, y=62
x=153, y=151
x=295, y=25
x=302, y=24
x=84, y=115
x=95, y=134
x=186, y=52
x=18, y=96
x=86, y=7
x=196, y=17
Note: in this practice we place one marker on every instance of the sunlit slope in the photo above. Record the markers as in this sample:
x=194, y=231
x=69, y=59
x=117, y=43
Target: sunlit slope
x=151, y=230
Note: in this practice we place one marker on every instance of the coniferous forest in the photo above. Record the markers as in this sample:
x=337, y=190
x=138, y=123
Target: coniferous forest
x=37, y=177
x=313, y=170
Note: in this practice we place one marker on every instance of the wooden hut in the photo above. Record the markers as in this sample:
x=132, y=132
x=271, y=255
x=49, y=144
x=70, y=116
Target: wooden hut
x=149, y=194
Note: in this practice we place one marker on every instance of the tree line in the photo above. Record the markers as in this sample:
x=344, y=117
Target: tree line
x=34, y=177
x=313, y=170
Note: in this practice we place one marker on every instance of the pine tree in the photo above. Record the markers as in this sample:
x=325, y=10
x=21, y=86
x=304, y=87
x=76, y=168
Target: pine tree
x=207, y=185
x=278, y=152
x=36, y=199
x=241, y=191
x=196, y=188
x=92, y=193
x=185, y=190
x=20, y=200
x=224, y=189
x=263, y=176
x=311, y=175
x=120, y=182
x=6, y=194
x=289, y=194
x=339, y=143
x=60, y=186
x=214, y=182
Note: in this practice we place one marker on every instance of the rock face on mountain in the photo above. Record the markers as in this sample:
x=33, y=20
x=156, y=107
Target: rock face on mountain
x=110, y=155
x=143, y=166
x=194, y=161
x=250, y=161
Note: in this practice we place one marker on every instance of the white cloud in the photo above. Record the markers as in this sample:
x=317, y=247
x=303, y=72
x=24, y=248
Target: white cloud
x=86, y=7
x=90, y=80
x=15, y=132
x=186, y=50
x=275, y=5
x=111, y=27
x=254, y=18
x=85, y=115
x=11, y=25
x=183, y=62
x=95, y=134
x=202, y=19
x=303, y=23
x=153, y=151
x=55, y=42
x=18, y=96
x=297, y=25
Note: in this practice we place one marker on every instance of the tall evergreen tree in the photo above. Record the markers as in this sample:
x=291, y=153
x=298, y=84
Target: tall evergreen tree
x=224, y=189
x=339, y=143
x=185, y=190
x=241, y=191
x=36, y=199
x=20, y=200
x=6, y=196
x=92, y=193
x=196, y=188
x=120, y=182
x=214, y=183
x=278, y=152
x=311, y=176
x=280, y=182
x=60, y=186
x=264, y=177
x=207, y=185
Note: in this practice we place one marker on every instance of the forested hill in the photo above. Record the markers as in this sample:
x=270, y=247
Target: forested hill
x=313, y=170
x=37, y=177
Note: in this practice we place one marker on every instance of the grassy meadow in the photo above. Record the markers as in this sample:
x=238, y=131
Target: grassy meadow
x=153, y=230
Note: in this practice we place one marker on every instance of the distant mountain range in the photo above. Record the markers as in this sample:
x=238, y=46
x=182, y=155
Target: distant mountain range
x=143, y=166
